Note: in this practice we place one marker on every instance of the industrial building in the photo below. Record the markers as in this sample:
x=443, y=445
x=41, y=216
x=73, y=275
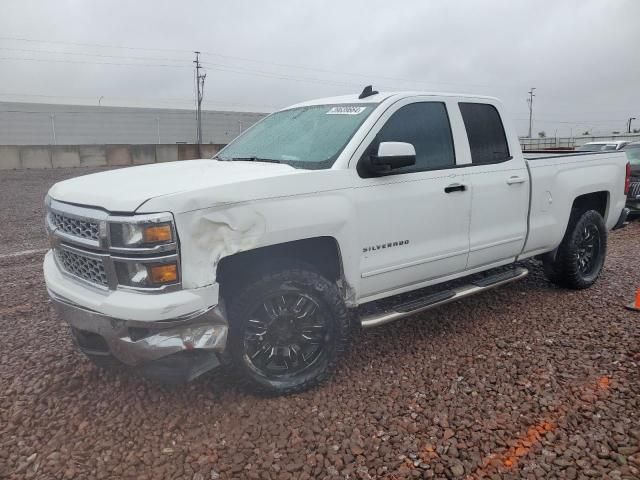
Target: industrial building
x=56, y=124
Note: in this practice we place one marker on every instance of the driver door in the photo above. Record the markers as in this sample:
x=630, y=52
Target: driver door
x=413, y=222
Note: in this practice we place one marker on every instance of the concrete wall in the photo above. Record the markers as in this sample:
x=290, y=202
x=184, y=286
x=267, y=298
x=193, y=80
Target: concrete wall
x=15, y=157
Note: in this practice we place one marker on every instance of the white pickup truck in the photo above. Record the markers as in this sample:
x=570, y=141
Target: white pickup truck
x=267, y=255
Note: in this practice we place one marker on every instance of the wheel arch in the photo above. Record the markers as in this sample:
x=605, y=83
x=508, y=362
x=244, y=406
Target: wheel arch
x=598, y=201
x=322, y=253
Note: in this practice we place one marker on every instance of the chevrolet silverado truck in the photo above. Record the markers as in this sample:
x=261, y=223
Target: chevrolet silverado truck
x=333, y=214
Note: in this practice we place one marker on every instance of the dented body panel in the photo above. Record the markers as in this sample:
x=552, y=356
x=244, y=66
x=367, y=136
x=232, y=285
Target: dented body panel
x=289, y=212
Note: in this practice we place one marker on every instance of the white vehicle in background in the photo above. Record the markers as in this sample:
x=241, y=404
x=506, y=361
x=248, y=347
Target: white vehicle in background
x=602, y=146
x=321, y=217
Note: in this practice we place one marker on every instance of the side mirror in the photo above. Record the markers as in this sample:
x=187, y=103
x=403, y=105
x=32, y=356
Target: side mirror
x=392, y=155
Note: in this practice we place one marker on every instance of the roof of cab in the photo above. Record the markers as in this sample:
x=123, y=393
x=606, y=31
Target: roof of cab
x=382, y=96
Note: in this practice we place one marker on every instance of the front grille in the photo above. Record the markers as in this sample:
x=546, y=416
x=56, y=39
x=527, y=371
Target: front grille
x=86, y=268
x=634, y=189
x=75, y=226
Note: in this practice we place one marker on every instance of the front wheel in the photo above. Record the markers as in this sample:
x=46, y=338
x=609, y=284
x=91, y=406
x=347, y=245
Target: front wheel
x=581, y=254
x=287, y=330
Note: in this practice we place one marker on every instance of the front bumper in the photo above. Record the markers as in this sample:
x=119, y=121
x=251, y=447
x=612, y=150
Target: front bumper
x=146, y=336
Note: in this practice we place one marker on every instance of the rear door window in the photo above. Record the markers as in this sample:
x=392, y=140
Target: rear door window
x=487, y=140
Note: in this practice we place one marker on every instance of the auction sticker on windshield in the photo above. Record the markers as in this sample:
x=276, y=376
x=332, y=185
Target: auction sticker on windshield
x=346, y=110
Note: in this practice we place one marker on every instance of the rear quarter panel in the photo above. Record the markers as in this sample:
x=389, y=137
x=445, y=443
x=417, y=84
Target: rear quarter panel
x=557, y=182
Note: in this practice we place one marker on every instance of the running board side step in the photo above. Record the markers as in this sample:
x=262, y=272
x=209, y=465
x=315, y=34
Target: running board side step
x=441, y=298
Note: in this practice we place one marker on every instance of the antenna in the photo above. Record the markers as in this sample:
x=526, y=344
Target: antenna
x=368, y=92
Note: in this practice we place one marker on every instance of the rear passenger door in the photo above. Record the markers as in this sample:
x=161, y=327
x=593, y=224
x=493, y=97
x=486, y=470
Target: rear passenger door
x=500, y=194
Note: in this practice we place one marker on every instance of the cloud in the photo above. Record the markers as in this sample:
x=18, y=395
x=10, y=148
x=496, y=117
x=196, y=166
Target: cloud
x=581, y=55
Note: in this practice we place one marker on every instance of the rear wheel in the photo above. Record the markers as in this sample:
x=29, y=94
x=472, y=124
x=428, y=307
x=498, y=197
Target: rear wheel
x=581, y=254
x=287, y=330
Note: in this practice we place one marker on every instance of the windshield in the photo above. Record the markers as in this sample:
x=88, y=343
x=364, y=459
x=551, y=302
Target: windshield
x=306, y=137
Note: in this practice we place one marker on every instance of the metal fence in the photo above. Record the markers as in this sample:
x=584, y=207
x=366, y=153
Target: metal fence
x=547, y=143
x=569, y=143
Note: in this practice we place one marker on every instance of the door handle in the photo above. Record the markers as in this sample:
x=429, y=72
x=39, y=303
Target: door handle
x=455, y=187
x=515, y=180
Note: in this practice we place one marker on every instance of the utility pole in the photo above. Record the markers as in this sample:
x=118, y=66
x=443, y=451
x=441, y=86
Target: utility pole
x=530, y=102
x=53, y=128
x=199, y=96
x=629, y=124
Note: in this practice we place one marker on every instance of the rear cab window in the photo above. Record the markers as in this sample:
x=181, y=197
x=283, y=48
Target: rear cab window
x=485, y=132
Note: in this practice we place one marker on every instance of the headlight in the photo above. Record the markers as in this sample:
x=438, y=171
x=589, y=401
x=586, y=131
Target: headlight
x=144, y=250
x=132, y=235
x=147, y=275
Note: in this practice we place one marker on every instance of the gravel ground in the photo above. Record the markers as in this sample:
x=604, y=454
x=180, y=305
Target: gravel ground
x=22, y=199
x=527, y=381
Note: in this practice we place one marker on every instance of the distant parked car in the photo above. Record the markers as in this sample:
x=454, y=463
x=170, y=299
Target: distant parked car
x=602, y=146
x=633, y=155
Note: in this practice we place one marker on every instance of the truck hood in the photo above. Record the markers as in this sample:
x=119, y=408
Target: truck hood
x=126, y=189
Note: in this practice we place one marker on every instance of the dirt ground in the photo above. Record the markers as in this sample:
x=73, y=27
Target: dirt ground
x=526, y=381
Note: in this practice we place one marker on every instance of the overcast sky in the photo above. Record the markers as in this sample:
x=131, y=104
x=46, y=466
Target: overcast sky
x=582, y=56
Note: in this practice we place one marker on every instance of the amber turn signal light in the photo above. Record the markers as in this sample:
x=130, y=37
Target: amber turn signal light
x=166, y=273
x=157, y=234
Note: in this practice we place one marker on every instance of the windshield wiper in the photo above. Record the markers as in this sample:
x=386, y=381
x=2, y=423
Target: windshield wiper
x=250, y=159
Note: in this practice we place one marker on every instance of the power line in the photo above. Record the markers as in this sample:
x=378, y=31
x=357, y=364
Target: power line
x=139, y=99
x=368, y=76
x=95, y=63
x=59, y=52
x=222, y=68
x=280, y=76
x=22, y=39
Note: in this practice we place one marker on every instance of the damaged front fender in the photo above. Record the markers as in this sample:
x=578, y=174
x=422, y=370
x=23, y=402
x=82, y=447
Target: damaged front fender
x=214, y=234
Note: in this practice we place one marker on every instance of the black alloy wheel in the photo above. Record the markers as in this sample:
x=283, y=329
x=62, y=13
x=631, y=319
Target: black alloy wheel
x=287, y=329
x=579, y=260
x=588, y=248
x=285, y=335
